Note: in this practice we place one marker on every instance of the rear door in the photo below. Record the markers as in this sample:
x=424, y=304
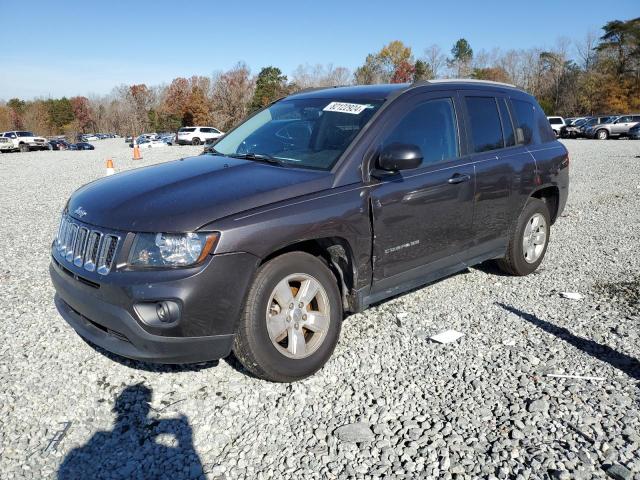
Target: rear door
x=492, y=144
x=422, y=217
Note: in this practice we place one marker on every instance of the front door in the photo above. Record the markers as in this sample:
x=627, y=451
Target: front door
x=621, y=125
x=422, y=217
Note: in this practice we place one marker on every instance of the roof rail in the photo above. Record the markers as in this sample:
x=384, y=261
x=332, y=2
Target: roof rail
x=464, y=80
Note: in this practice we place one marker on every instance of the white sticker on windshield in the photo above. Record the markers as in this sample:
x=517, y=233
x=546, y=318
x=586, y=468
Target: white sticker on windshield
x=354, y=108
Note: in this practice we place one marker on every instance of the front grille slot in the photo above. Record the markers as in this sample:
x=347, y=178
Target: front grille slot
x=93, y=244
x=92, y=250
x=107, y=254
x=71, y=241
x=79, y=249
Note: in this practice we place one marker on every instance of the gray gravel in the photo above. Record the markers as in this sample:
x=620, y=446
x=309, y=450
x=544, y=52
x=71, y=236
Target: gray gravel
x=389, y=404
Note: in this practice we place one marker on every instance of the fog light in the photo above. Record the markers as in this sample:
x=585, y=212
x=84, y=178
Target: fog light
x=159, y=314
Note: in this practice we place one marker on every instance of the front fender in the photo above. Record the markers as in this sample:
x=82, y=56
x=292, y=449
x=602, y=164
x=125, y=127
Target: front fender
x=340, y=212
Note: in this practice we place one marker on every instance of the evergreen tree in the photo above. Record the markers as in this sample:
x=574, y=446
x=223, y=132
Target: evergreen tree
x=270, y=85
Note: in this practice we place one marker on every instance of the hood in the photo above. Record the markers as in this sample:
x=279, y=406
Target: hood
x=184, y=195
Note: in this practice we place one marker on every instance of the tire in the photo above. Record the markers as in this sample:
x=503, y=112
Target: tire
x=602, y=134
x=195, y=141
x=517, y=260
x=277, y=359
x=24, y=148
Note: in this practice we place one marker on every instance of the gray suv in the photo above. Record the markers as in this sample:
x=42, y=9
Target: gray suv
x=316, y=207
x=617, y=127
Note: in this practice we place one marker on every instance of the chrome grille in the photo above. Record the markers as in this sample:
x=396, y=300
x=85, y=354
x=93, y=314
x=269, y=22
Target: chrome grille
x=88, y=248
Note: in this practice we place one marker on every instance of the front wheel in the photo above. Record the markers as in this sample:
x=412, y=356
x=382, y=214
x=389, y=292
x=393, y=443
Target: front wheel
x=291, y=320
x=529, y=240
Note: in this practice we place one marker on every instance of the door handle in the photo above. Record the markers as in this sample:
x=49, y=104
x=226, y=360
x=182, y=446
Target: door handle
x=459, y=178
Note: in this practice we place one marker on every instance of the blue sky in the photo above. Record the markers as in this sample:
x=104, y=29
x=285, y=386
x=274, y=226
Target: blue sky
x=71, y=47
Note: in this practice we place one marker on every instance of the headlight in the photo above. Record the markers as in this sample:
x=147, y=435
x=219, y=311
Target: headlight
x=171, y=249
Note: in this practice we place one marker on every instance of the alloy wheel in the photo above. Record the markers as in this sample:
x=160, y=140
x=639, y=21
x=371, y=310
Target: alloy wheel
x=298, y=315
x=534, y=238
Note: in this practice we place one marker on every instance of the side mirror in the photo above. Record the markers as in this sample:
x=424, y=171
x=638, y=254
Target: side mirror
x=399, y=156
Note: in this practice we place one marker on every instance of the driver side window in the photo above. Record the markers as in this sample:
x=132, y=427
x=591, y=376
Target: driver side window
x=431, y=126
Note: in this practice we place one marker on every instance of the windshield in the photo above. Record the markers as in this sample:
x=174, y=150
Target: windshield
x=308, y=133
x=25, y=134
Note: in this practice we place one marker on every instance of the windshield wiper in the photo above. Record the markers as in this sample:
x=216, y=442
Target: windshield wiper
x=258, y=157
x=213, y=151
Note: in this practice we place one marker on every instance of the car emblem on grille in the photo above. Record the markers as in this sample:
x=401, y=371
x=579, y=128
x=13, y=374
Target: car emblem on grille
x=81, y=212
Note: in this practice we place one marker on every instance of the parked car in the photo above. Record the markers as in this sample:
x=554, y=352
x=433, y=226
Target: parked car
x=618, y=127
x=197, y=135
x=572, y=129
x=82, y=146
x=556, y=124
x=322, y=204
x=634, y=132
x=89, y=138
x=169, y=139
x=57, y=144
x=6, y=145
x=156, y=143
x=591, y=121
x=26, y=140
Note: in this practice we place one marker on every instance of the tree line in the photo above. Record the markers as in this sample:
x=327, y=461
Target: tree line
x=597, y=74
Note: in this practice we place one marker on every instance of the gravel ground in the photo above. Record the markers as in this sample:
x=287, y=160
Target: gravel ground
x=390, y=403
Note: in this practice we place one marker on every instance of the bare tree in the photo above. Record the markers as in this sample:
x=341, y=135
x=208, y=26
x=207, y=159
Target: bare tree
x=586, y=49
x=308, y=76
x=435, y=59
x=232, y=93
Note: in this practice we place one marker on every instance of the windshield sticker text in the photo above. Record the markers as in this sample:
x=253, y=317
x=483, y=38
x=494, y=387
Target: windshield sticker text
x=353, y=108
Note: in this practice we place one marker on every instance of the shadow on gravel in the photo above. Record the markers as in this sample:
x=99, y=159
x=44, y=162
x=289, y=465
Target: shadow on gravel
x=132, y=449
x=152, y=367
x=625, y=363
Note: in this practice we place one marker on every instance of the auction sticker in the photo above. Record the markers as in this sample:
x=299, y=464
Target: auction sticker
x=354, y=108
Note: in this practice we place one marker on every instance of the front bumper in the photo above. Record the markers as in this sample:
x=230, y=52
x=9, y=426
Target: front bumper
x=102, y=309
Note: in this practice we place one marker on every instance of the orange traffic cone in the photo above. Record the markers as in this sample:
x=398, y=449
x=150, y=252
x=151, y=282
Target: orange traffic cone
x=110, y=169
x=136, y=152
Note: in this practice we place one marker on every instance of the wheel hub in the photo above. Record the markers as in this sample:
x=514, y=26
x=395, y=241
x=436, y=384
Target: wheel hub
x=298, y=315
x=534, y=238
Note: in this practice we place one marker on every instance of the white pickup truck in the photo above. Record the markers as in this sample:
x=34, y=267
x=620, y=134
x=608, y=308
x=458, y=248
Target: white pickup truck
x=25, y=140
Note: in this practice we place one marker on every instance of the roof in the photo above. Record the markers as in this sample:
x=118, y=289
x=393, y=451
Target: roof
x=384, y=91
x=371, y=92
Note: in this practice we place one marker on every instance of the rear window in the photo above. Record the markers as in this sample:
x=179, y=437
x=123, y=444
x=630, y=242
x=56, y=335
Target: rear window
x=524, y=121
x=486, y=131
x=555, y=121
x=186, y=130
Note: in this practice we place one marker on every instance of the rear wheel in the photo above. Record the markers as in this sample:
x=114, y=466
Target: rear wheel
x=195, y=141
x=602, y=134
x=291, y=320
x=529, y=239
